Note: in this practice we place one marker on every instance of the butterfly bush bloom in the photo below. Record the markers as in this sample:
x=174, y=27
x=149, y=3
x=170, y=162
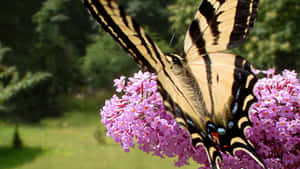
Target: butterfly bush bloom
x=137, y=117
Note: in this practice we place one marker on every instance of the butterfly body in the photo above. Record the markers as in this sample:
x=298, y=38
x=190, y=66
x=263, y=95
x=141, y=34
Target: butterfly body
x=208, y=92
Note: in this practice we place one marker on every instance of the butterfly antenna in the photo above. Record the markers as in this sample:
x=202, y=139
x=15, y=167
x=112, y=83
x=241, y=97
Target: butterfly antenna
x=172, y=39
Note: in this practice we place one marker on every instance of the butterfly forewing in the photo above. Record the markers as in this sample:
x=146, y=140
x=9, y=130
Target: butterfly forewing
x=126, y=31
x=220, y=24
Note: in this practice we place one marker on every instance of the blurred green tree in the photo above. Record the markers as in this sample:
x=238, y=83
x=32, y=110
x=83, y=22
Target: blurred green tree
x=46, y=36
x=62, y=28
x=18, y=31
x=17, y=92
x=104, y=61
x=14, y=94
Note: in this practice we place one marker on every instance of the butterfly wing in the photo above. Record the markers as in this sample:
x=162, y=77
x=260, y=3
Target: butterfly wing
x=130, y=35
x=220, y=25
x=225, y=80
x=227, y=83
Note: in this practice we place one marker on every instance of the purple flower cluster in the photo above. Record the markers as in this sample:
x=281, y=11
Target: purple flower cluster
x=138, y=117
x=276, y=119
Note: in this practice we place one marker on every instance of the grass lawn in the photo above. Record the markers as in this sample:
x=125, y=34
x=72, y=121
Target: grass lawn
x=69, y=143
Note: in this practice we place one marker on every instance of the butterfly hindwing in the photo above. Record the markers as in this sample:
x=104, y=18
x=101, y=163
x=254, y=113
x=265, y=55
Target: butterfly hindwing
x=227, y=84
x=220, y=24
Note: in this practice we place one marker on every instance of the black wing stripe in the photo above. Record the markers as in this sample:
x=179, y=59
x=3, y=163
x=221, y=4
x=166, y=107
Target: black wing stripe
x=126, y=31
x=125, y=21
x=172, y=107
x=210, y=13
x=253, y=12
x=209, y=82
x=238, y=139
x=194, y=31
x=156, y=50
x=245, y=16
x=223, y=24
x=141, y=33
x=213, y=153
x=245, y=146
x=221, y=1
x=149, y=44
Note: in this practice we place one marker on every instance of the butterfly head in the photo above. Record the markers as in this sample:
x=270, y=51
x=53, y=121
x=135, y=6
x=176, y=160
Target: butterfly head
x=174, y=59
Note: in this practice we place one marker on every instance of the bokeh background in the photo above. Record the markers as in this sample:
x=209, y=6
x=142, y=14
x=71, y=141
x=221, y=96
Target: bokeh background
x=57, y=68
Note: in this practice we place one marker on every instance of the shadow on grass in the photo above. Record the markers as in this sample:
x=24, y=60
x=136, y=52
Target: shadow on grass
x=10, y=157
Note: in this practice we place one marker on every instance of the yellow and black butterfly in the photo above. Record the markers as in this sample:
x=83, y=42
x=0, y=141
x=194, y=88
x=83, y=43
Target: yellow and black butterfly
x=208, y=92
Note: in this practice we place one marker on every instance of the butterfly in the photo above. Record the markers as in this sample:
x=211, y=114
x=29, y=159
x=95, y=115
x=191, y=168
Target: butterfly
x=209, y=92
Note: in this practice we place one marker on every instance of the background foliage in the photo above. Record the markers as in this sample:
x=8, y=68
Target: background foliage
x=102, y=56
x=18, y=92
